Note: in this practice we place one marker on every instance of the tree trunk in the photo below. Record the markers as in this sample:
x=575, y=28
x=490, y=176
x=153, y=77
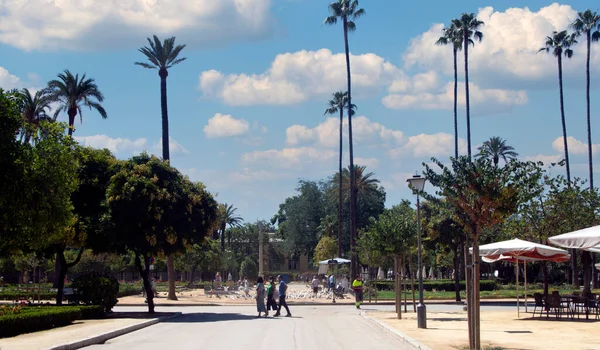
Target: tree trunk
x=171, y=277
x=353, y=254
x=476, y=309
x=145, y=274
x=412, y=282
x=466, y=51
x=61, y=268
x=587, y=271
x=545, y=274
x=223, y=238
x=398, y=287
x=340, y=187
x=455, y=51
x=562, y=117
x=587, y=100
x=456, y=261
x=71, y=115
x=469, y=289
x=165, y=113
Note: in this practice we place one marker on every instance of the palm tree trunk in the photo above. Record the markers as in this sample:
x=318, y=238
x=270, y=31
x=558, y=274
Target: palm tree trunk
x=455, y=51
x=575, y=272
x=562, y=117
x=71, y=121
x=587, y=100
x=166, y=157
x=340, y=187
x=353, y=255
x=222, y=238
x=165, y=116
x=466, y=50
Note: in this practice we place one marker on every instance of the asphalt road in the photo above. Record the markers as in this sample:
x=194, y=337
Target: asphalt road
x=237, y=327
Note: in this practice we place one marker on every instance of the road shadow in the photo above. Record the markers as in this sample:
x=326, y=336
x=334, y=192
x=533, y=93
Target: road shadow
x=201, y=317
x=138, y=314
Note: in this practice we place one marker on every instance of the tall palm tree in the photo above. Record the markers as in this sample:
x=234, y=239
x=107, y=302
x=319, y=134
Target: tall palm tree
x=469, y=25
x=496, y=148
x=72, y=92
x=337, y=105
x=228, y=216
x=452, y=35
x=163, y=56
x=347, y=11
x=588, y=23
x=34, y=110
x=560, y=44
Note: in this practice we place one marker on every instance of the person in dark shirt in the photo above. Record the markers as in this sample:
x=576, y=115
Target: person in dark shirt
x=282, y=293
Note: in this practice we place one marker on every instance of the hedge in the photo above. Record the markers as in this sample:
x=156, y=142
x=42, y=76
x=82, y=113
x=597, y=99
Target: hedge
x=38, y=318
x=438, y=285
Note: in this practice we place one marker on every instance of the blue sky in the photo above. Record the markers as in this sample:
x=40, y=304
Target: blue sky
x=246, y=107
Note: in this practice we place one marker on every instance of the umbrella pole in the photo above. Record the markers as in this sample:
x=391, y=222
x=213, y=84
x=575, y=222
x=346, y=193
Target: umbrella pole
x=518, y=309
x=525, y=274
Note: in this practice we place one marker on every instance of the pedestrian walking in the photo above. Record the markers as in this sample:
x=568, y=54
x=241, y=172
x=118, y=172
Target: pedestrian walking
x=357, y=286
x=271, y=302
x=315, y=286
x=282, y=293
x=260, y=297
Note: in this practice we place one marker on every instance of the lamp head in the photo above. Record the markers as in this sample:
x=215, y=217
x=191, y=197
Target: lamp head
x=416, y=183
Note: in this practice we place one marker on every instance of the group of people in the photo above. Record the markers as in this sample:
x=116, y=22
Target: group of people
x=271, y=292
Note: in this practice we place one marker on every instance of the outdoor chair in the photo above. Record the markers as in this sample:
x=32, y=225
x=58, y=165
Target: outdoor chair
x=539, y=303
x=580, y=305
x=553, y=302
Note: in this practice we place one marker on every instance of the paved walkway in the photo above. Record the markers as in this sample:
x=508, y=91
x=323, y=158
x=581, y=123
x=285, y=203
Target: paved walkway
x=236, y=327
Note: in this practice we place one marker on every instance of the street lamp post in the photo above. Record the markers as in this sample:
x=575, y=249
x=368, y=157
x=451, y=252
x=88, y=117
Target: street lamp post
x=417, y=183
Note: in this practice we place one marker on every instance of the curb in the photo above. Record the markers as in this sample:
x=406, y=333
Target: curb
x=410, y=343
x=99, y=339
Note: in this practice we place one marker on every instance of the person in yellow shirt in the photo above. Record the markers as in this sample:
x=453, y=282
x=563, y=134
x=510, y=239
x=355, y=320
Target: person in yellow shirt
x=357, y=286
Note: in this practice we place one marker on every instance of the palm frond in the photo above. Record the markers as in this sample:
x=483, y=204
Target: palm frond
x=145, y=65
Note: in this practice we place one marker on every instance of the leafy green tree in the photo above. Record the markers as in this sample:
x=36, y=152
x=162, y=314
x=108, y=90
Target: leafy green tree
x=155, y=210
x=71, y=93
x=559, y=44
x=496, y=148
x=326, y=249
x=441, y=227
x=453, y=35
x=482, y=195
x=469, y=25
x=205, y=256
x=163, y=56
x=588, y=23
x=347, y=11
x=249, y=269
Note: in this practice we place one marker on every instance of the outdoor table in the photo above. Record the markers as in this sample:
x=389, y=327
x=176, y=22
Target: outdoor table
x=570, y=300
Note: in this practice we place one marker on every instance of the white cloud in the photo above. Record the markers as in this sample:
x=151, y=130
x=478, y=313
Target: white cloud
x=249, y=175
x=80, y=25
x=115, y=145
x=9, y=81
x=576, y=147
x=546, y=159
x=327, y=133
x=300, y=76
x=370, y=163
x=483, y=101
x=508, y=54
x=224, y=125
x=174, y=147
x=289, y=157
x=428, y=145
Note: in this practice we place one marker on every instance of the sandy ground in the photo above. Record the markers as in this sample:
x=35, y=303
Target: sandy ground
x=296, y=293
x=448, y=330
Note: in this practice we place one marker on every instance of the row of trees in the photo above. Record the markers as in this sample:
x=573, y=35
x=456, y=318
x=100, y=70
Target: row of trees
x=58, y=196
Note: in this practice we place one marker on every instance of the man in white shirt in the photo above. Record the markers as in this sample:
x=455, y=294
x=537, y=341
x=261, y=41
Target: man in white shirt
x=315, y=286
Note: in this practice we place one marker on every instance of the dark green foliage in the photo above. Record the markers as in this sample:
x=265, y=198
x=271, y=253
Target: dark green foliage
x=249, y=269
x=37, y=318
x=97, y=289
x=438, y=285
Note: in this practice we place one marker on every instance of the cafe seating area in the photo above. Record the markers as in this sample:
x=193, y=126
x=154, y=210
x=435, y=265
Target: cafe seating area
x=575, y=306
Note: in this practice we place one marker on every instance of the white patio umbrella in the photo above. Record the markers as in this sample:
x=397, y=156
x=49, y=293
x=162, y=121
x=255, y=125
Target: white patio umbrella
x=585, y=239
x=334, y=261
x=516, y=250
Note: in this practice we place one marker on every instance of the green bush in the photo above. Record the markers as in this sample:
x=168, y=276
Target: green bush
x=32, y=319
x=97, y=289
x=127, y=289
x=438, y=285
